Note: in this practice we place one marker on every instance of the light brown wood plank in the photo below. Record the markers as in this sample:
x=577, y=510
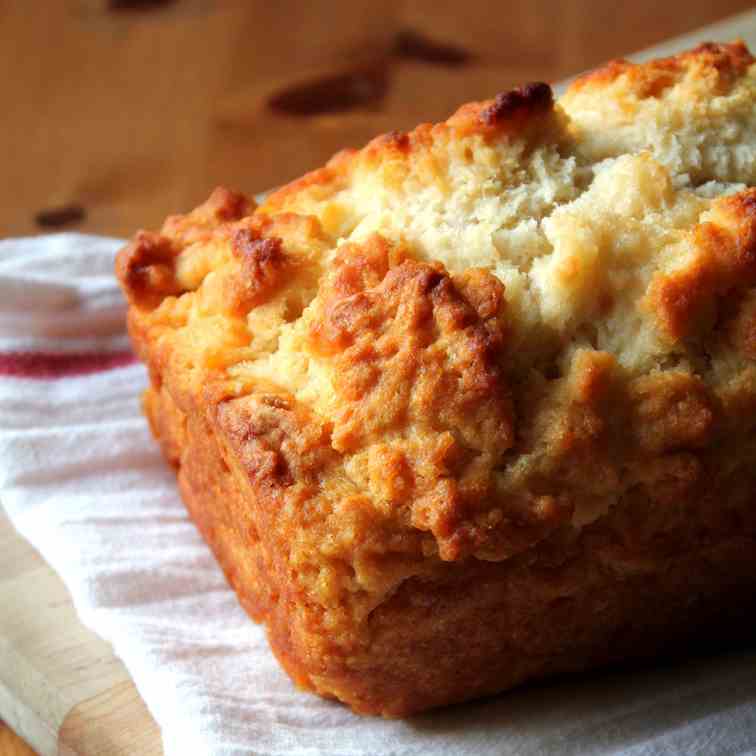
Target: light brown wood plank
x=54, y=673
x=115, y=722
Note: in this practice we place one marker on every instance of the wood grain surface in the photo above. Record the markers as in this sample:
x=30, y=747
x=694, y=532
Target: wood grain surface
x=61, y=687
x=123, y=111
x=126, y=110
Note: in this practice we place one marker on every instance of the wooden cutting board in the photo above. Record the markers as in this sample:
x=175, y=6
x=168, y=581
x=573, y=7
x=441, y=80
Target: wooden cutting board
x=61, y=687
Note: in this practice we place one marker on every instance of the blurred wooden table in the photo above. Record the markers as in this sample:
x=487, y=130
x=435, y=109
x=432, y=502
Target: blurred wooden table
x=119, y=112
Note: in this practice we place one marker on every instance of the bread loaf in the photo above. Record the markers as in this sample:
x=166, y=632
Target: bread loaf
x=476, y=404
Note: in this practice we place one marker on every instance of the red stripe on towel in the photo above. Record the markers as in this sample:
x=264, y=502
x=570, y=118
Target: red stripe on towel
x=60, y=365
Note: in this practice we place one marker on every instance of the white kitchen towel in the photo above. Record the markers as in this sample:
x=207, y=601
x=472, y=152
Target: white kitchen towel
x=81, y=478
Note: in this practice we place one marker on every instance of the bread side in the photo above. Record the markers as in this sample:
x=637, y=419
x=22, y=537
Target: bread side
x=475, y=404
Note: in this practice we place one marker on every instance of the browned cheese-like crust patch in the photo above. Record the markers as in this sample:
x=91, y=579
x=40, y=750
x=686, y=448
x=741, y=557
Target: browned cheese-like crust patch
x=145, y=269
x=415, y=367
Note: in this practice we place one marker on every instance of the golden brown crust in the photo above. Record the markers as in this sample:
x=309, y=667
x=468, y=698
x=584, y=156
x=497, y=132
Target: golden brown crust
x=672, y=411
x=741, y=326
x=145, y=269
x=724, y=263
x=263, y=264
x=222, y=206
x=509, y=115
x=725, y=61
x=476, y=404
x=566, y=606
x=508, y=112
x=412, y=357
x=275, y=440
x=389, y=331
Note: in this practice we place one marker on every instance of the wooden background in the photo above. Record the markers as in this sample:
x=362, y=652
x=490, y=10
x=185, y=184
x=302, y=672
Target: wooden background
x=118, y=112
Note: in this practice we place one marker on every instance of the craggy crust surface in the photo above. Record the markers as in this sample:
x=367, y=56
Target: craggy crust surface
x=477, y=403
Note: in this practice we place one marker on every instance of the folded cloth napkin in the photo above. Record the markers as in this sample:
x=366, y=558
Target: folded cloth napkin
x=82, y=480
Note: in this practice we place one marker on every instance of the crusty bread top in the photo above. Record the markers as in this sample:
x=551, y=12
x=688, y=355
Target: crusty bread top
x=457, y=341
